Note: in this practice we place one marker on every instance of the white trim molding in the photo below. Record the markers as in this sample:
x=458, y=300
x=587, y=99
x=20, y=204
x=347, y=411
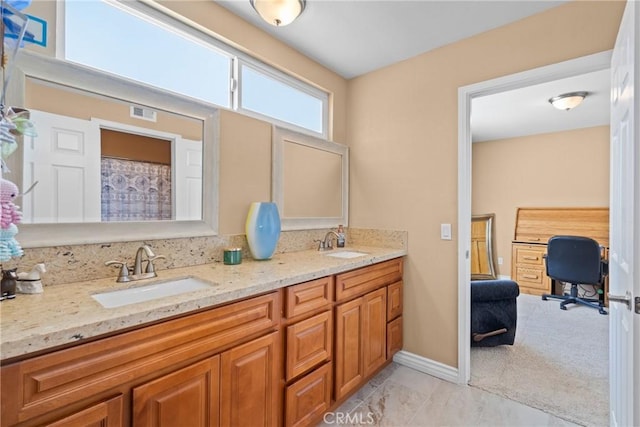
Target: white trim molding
x=427, y=366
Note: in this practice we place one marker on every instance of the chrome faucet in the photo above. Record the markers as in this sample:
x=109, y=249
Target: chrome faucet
x=136, y=272
x=327, y=244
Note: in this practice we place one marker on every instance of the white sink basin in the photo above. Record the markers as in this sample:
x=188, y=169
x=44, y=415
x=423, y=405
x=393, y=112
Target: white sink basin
x=161, y=289
x=345, y=254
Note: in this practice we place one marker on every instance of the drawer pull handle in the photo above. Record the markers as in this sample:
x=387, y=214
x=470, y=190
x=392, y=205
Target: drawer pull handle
x=532, y=258
x=530, y=276
x=535, y=239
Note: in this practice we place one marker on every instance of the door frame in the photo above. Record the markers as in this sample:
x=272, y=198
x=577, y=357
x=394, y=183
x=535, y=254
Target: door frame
x=595, y=62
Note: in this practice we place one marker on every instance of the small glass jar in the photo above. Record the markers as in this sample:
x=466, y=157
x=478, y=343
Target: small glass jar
x=232, y=256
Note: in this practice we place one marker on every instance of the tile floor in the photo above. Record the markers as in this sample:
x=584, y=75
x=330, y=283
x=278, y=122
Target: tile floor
x=399, y=396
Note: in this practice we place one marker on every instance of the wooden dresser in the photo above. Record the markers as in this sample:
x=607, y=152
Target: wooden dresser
x=535, y=226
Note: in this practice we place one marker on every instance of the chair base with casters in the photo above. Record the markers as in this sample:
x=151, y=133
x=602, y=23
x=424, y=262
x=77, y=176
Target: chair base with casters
x=573, y=298
x=493, y=312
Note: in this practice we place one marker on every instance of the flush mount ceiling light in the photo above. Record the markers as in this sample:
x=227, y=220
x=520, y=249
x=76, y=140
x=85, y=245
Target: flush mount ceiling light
x=567, y=101
x=278, y=12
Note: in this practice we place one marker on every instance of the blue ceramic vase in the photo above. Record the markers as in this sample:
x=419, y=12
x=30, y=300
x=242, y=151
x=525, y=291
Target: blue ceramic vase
x=262, y=229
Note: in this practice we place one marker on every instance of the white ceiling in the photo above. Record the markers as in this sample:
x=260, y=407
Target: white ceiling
x=527, y=111
x=354, y=37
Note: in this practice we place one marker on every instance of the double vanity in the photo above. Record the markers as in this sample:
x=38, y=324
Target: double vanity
x=277, y=342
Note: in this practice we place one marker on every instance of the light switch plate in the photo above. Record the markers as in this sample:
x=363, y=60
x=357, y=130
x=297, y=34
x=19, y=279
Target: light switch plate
x=445, y=231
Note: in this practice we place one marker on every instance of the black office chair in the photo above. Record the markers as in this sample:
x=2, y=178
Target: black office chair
x=576, y=260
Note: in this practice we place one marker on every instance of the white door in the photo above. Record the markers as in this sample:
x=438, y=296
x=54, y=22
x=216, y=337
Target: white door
x=65, y=160
x=624, y=266
x=187, y=179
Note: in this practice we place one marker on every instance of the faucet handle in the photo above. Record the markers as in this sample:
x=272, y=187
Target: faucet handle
x=320, y=244
x=124, y=270
x=150, y=267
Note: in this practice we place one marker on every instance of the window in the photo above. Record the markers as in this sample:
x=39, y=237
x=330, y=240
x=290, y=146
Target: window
x=133, y=40
x=106, y=36
x=267, y=94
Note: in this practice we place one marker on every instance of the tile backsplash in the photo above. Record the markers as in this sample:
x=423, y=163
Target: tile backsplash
x=73, y=263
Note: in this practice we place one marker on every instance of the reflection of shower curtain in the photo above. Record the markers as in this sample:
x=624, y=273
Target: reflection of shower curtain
x=135, y=191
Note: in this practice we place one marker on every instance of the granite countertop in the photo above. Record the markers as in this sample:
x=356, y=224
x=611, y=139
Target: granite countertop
x=66, y=314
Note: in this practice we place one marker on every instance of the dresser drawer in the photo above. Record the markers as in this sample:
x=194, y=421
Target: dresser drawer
x=531, y=278
x=308, y=344
x=531, y=256
x=308, y=297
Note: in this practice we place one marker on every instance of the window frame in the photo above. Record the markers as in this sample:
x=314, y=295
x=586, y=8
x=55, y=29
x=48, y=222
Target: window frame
x=238, y=59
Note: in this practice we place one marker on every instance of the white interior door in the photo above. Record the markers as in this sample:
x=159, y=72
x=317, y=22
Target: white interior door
x=624, y=267
x=65, y=160
x=187, y=182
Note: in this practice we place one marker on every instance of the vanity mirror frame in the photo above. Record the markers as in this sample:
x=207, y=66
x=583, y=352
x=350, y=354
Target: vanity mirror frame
x=282, y=136
x=489, y=235
x=74, y=76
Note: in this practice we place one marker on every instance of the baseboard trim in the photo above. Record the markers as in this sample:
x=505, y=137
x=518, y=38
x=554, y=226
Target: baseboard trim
x=428, y=366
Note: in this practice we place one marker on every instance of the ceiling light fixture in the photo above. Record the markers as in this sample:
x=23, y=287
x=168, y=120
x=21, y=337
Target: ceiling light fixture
x=567, y=101
x=278, y=12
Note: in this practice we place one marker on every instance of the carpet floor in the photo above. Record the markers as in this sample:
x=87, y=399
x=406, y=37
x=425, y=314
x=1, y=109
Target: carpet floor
x=559, y=362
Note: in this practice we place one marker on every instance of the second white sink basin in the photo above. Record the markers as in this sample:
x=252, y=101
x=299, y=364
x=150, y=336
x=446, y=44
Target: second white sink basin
x=156, y=290
x=345, y=254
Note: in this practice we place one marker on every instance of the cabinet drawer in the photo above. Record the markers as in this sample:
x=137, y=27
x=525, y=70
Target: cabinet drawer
x=307, y=297
x=308, y=344
x=358, y=282
x=394, y=300
x=394, y=337
x=531, y=277
x=530, y=256
x=45, y=383
x=309, y=397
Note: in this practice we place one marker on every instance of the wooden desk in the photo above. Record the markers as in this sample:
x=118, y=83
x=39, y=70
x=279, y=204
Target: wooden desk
x=535, y=226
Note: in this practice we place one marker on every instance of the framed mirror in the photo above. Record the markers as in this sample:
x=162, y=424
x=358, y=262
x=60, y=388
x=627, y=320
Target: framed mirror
x=482, y=262
x=115, y=160
x=310, y=181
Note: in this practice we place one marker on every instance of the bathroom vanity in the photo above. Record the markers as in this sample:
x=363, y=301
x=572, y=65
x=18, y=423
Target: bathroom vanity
x=276, y=342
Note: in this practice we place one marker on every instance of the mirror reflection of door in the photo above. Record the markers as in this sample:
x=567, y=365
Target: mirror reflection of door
x=482, y=264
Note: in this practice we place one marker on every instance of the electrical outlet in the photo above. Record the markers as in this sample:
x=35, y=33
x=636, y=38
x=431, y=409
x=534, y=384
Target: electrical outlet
x=500, y=260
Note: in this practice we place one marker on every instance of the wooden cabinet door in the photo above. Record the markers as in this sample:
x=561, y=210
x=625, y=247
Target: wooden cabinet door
x=249, y=378
x=348, y=360
x=187, y=397
x=309, y=397
x=374, y=330
x=394, y=337
x=394, y=300
x=308, y=344
x=103, y=414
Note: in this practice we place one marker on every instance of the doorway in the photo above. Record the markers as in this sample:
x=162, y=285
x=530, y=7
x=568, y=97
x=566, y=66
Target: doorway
x=466, y=94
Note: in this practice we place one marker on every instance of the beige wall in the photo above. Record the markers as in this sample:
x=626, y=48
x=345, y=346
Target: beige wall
x=569, y=169
x=403, y=139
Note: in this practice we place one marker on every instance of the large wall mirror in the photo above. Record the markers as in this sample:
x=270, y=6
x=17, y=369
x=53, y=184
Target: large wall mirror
x=482, y=262
x=114, y=160
x=310, y=180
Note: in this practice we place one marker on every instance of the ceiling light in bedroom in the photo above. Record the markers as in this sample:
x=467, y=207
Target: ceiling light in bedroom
x=278, y=12
x=567, y=101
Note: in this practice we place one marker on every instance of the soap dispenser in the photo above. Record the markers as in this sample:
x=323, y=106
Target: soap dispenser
x=341, y=238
